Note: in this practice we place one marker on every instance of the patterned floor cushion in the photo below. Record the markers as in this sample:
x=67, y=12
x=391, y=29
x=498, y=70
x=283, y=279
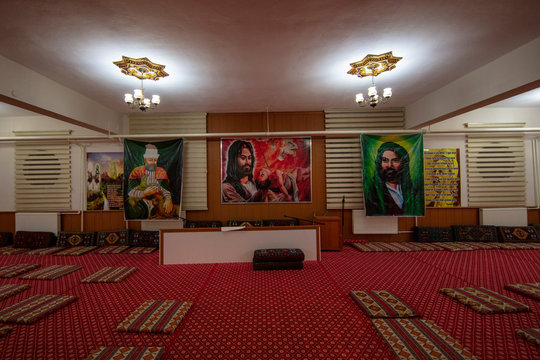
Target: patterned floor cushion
x=75, y=239
x=156, y=316
x=117, y=237
x=126, y=353
x=433, y=234
x=531, y=335
x=485, y=301
x=420, y=339
x=33, y=239
x=478, y=233
x=531, y=290
x=382, y=304
x=144, y=238
x=282, y=255
x=34, y=308
x=518, y=234
x=6, y=238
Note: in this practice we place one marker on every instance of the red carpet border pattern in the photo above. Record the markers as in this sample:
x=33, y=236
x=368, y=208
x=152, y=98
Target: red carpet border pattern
x=420, y=339
x=110, y=274
x=4, y=330
x=141, y=250
x=113, y=249
x=34, y=308
x=10, y=250
x=160, y=316
x=76, y=250
x=45, y=251
x=531, y=335
x=485, y=301
x=17, y=269
x=382, y=304
x=531, y=290
x=51, y=272
x=8, y=290
x=126, y=353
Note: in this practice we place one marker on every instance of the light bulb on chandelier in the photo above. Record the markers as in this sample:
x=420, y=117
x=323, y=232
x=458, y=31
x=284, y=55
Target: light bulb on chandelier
x=142, y=69
x=373, y=65
x=137, y=100
x=373, y=97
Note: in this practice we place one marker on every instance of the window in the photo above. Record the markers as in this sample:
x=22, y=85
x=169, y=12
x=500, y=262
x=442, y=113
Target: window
x=344, y=154
x=42, y=172
x=496, y=170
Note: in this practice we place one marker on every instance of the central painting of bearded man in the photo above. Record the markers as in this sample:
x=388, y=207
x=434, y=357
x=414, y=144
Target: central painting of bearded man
x=257, y=170
x=393, y=175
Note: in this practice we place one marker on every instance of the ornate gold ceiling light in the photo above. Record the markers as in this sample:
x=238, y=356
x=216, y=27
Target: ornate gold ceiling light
x=373, y=65
x=142, y=69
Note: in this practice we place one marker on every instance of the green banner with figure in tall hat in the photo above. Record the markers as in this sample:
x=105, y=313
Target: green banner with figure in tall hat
x=152, y=179
x=393, y=175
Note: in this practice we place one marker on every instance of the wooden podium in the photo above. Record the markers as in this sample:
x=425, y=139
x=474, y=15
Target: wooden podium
x=331, y=232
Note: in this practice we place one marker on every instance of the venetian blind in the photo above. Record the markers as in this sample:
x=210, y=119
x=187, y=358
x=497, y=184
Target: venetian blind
x=194, y=187
x=42, y=172
x=496, y=170
x=344, y=154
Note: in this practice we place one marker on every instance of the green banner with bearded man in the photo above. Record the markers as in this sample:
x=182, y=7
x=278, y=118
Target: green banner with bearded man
x=152, y=179
x=393, y=175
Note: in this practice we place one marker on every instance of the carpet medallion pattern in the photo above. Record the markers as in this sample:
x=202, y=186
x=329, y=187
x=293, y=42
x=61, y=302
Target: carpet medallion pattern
x=110, y=274
x=51, y=272
x=34, y=308
x=382, y=304
x=17, y=269
x=11, y=289
x=126, y=353
x=531, y=290
x=485, y=301
x=420, y=339
x=159, y=316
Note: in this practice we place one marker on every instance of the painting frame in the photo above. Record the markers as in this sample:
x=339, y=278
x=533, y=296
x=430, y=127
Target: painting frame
x=279, y=170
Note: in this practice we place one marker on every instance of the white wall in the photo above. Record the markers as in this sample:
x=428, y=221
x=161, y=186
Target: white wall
x=23, y=84
x=508, y=72
x=78, y=155
x=489, y=115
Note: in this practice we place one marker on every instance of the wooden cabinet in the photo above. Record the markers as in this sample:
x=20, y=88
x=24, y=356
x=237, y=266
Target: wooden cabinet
x=331, y=232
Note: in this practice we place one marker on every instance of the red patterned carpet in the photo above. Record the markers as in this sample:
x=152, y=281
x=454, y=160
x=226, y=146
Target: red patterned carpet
x=238, y=313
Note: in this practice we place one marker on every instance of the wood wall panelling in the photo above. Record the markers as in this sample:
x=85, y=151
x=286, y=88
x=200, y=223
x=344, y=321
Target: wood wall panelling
x=257, y=122
x=7, y=221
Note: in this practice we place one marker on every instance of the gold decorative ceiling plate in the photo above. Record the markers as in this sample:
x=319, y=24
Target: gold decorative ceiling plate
x=141, y=68
x=373, y=65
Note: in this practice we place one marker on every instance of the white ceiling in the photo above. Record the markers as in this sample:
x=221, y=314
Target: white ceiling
x=254, y=55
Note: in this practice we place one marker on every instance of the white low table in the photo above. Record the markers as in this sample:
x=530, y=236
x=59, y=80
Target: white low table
x=212, y=245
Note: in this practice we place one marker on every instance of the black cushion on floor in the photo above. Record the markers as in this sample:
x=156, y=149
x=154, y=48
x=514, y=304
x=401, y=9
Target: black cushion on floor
x=281, y=255
x=278, y=265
